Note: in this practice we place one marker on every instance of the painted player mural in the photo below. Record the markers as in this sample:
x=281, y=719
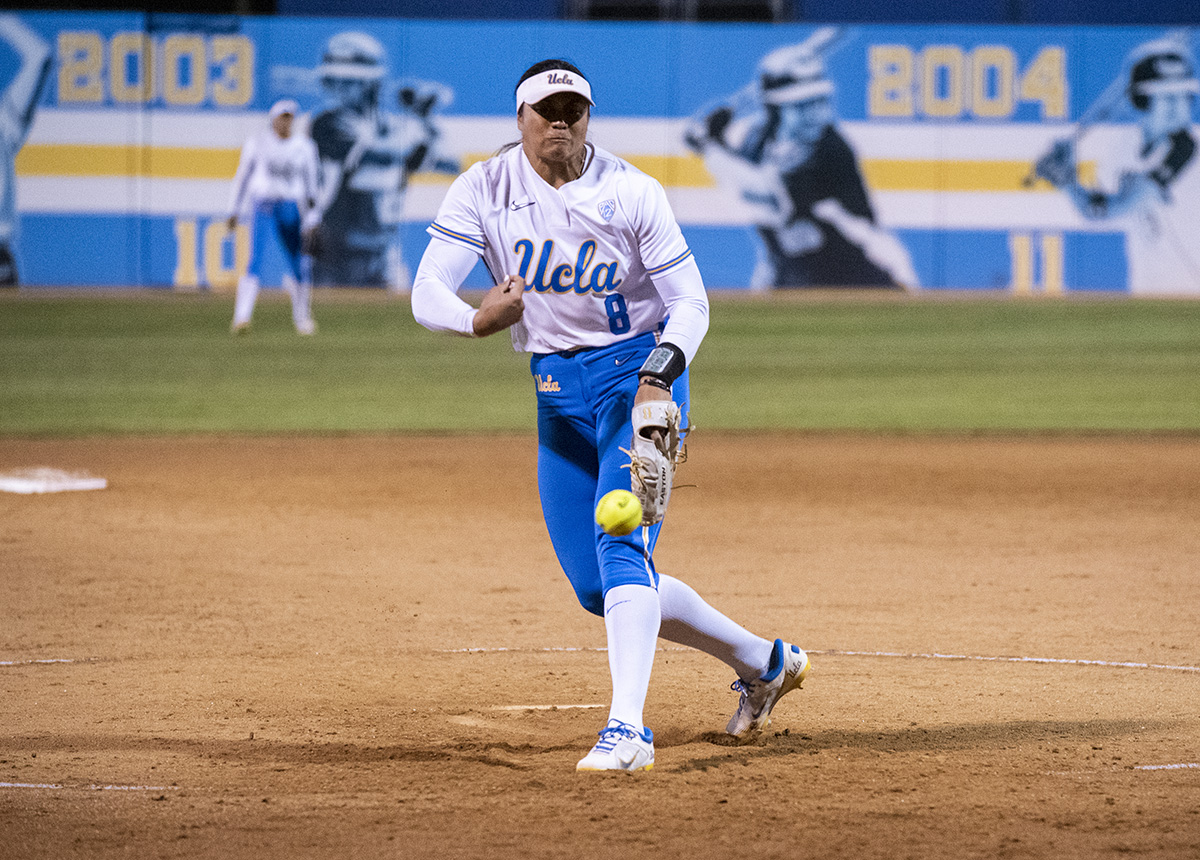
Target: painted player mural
x=17, y=105
x=776, y=147
x=368, y=155
x=1148, y=181
x=595, y=280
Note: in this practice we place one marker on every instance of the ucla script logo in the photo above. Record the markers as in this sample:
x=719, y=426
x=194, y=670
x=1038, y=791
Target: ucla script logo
x=586, y=276
x=547, y=384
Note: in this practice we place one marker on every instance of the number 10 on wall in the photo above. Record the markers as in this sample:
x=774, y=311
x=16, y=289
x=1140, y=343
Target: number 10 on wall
x=208, y=255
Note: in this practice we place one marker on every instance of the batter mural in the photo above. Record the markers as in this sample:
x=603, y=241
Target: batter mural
x=775, y=146
x=1150, y=177
x=1028, y=159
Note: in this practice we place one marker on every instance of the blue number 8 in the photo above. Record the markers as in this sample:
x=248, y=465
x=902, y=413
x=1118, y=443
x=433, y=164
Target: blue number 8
x=618, y=313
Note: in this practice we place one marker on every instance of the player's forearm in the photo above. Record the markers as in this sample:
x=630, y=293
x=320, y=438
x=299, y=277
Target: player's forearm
x=682, y=291
x=331, y=178
x=435, y=302
x=241, y=179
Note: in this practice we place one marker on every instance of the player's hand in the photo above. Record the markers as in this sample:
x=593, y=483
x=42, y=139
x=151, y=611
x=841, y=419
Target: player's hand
x=645, y=394
x=502, y=306
x=718, y=121
x=1058, y=165
x=231, y=223
x=310, y=241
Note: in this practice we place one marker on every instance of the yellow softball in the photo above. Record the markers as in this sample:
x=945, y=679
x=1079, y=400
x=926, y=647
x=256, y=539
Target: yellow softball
x=619, y=512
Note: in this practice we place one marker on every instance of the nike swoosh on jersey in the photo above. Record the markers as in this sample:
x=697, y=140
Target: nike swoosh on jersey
x=522, y=205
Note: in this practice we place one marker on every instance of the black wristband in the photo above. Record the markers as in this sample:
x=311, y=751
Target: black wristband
x=665, y=362
x=655, y=381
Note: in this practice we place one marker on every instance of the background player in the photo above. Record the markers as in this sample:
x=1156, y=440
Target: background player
x=594, y=278
x=368, y=155
x=276, y=182
x=775, y=146
x=17, y=105
x=1151, y=184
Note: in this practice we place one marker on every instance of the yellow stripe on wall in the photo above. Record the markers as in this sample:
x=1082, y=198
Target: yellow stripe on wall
x=156, y=162
x=911, y=174
x=673, y=171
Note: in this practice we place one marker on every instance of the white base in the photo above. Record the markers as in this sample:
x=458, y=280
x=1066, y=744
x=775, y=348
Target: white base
x=47, y=480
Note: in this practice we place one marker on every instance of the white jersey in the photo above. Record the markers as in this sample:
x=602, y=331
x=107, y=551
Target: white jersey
x=274, y=168
x=587, y=250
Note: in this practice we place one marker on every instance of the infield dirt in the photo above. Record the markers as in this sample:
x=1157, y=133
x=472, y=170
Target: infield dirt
x=363, y=647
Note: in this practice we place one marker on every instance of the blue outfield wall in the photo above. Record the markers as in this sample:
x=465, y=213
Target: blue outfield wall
x=809, y=155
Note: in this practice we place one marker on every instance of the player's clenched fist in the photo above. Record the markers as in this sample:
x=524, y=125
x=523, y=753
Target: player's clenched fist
x=502, y=306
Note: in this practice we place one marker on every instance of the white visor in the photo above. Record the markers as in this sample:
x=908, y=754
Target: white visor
x=798, y=91
x=348, y=71
x=283, y=106
x=537, y=87
x=1169, y=85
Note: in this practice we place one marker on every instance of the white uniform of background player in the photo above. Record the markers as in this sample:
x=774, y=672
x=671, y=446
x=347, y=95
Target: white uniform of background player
x=593, y=276
x=276, y=186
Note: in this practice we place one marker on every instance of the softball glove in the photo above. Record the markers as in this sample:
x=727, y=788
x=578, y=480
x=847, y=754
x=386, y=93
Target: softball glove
x=652, y=463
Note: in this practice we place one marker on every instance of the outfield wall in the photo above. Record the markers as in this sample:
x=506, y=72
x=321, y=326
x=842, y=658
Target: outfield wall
x=124, y=175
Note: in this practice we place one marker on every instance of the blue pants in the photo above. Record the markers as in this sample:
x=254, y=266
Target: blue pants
x=584, y=403
x=281, y=219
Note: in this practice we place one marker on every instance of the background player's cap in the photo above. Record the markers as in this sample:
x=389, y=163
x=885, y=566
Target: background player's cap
x=283, y=106
x=537, y=87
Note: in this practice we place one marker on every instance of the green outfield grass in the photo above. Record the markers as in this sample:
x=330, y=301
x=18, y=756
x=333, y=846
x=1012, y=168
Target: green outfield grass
x=149, y=362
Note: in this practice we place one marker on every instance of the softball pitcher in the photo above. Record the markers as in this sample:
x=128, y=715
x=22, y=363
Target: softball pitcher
x=594, y=278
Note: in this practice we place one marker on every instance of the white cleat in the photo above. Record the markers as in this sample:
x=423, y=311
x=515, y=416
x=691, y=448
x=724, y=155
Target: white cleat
x=788, y=667
x=621, y=747
x=308, y=327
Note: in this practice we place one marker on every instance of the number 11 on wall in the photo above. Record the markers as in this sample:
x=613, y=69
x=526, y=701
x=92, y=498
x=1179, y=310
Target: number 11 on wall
x=1037, y=263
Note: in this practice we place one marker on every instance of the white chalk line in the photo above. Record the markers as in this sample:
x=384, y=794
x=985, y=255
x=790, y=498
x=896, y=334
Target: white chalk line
x=544, y=707
x=1112, y=664
x=1190, y=764
x=530, y=650
x=92, y=787
x=1051, y=660
x=1180, y=766
x=828, y=652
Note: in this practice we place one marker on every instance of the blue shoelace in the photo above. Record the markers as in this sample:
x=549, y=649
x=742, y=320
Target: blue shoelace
x=609, y=735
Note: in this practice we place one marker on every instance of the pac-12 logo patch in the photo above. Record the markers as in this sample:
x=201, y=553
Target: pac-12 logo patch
x=608, y=209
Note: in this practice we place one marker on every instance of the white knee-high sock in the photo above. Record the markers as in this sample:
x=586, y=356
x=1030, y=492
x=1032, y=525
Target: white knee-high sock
x=631, y=618
x=247, y=295
x=688, y=620
x=301, y=293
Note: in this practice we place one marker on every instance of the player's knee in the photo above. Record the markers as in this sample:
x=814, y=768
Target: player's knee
x=591, y=599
